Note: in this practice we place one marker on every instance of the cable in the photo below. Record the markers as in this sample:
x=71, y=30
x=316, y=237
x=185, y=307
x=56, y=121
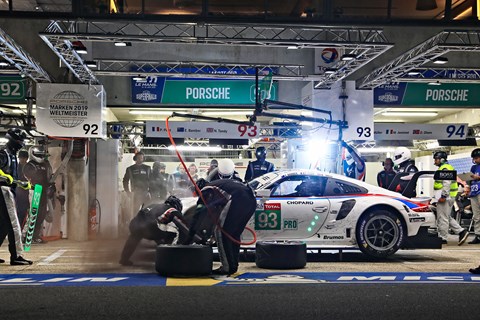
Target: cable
x=197, y=189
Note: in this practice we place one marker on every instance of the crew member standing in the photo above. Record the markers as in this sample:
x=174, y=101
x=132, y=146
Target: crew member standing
x=386, y=176
x=39, y=171
x=159, y=183
x=445, y=192
x=474, y=194
x=137, y=177
x=260, y=166
x=22, y=196
x=9, y=225
x=232, y=203
x=403, y=163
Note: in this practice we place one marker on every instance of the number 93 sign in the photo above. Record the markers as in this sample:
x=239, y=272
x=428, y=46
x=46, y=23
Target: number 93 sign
x=69, y=110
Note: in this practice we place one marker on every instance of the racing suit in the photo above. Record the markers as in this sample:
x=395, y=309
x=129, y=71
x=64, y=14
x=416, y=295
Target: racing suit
x=151, y=223
x=475, y=201
x=39, y=173
x=9, y=224
x=233, y=202
x=384, y=178
x=258, y=168
x=408, y=167
x=137, y=175
x=159, y=185
x=446, y=189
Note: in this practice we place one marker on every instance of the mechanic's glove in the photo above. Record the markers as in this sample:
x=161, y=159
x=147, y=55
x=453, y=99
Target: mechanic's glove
x=6, y=177
x=25, y=185
x=201, y=183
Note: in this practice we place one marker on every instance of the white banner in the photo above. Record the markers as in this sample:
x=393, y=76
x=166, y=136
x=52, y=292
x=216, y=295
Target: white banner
x=421, y=131
x=201, y=129
x=71, y=110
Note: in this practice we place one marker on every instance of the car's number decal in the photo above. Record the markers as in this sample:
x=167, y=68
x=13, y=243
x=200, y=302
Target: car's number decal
x=268, y=219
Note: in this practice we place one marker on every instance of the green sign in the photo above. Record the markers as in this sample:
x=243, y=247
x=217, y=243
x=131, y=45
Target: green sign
x=269, y=219
x=445, y=94
x=216, y=92
x=12, y=88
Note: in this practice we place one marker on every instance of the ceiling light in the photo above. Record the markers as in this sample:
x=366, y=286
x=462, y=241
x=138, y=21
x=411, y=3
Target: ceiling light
x=349, y=57
x=196, y=148
x=4, y=64
x=413, y=73
x=80, y=49
x=227, y=113
x=138, y=78
x=434, y=83
x=123, y=44
x=440, y=60
x=409, y=114
x=330, y=70
x=152, y=112
x=376, y=150
x=91, y=64
x=388, y=120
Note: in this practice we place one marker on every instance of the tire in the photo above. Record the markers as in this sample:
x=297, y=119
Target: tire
x=183, y=260
x=281, y=254
x=380, y=233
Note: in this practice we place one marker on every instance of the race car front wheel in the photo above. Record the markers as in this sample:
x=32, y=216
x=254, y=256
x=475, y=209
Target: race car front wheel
x=380, y=233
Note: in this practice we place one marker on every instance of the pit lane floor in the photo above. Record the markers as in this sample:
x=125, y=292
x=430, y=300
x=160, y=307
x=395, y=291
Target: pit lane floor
x=101, y=256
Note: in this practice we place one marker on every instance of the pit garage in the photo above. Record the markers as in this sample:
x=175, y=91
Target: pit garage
x=130, y=102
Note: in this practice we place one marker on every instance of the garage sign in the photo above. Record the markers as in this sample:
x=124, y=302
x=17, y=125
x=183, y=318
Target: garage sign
x=71, y=110
x=12, y=88
x=201, y=129
x=412, y=131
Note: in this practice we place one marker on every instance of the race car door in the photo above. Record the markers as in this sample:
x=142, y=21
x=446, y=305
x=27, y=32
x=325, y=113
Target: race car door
x=296, y=209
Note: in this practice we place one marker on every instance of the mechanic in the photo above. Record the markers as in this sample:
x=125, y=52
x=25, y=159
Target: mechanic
x=21, y=195
x=137, y=175
x=159, y=183
x=225, y=170
x=445, y=192
x=231, y=203
x=260, y=166
x=475, y=194
x=9, y=225
x=39, y=171
x=353, y=164
x=213, y=165
x=402, y=159
x=153, y=223
x=386, y=176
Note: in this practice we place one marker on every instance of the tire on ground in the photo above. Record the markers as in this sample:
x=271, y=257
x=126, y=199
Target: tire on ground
x=281, y=254
x=183, y=260
x=380, y=233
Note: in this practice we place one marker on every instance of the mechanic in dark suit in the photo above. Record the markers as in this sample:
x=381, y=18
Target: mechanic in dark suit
x=137, y=176
x=260, y=166
x=231, y=203
x=224, y=170
x=386, y=176
x=151, y=223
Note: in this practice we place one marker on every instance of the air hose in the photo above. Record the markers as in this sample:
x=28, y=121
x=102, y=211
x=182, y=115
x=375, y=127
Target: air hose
x=197, y=189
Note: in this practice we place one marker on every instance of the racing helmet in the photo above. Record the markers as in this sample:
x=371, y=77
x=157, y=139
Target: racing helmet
x=261, y=153
x=440, y=155
x=401, y=155
x=16, y=138
x=175, y=203
x=37, y=154
x=157, y=166
x=475, y=153
x=226, y=168
x=348, y=158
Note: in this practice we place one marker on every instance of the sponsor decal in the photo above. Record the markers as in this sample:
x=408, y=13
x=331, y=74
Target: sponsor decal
x=68, y=109
x=299, y=202
x=290, y=224
x=272, y=206
x=419, y=219
x=388, y=97
x=146, y=96
x=333, y=237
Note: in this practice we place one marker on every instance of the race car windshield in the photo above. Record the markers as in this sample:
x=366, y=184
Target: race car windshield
x=254, y=184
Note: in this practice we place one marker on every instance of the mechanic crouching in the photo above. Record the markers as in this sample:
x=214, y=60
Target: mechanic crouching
x=230, y=203
x=152, y=223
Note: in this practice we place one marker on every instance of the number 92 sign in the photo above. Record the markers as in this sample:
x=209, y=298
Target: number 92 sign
x=12, y=88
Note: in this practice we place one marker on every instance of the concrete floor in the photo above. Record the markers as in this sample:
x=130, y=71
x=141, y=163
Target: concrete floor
x=101, y=256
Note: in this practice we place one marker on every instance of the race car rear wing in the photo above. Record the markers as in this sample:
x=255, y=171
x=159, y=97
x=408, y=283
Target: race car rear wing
x=409, y=190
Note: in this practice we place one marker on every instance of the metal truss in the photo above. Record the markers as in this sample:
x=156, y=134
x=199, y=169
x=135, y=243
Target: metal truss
x=63, y=48
x=126, y=68
x=366, y=43
x=444, y=75
x=19, y=58
x=436, y=46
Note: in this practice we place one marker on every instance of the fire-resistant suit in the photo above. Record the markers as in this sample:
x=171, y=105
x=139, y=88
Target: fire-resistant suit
x=231, y=203
x=9, y=224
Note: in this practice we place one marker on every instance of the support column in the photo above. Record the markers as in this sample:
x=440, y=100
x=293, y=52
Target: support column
x=77, y=203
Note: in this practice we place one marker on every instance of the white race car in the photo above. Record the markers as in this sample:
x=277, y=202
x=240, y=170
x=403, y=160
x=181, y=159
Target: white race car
x=331, y=211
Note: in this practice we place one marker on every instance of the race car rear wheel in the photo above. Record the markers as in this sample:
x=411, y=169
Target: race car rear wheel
x=183, y=260
x=281, y=254
x=380, y=233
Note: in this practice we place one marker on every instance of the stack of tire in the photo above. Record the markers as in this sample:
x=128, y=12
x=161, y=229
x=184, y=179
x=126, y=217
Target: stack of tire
x=184, y=260
x=280, y=254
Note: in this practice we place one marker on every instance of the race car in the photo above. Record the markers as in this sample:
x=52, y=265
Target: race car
x=330, y=210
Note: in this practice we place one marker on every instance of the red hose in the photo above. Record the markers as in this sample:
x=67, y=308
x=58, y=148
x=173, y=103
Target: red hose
x=197, y=189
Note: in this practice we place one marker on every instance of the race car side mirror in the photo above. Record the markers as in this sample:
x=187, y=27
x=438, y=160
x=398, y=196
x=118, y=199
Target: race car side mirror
x=264, y=193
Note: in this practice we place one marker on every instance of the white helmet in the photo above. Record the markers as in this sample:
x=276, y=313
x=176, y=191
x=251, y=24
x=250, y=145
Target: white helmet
x=226, y=168
x=37, y=153
x=401, y=155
